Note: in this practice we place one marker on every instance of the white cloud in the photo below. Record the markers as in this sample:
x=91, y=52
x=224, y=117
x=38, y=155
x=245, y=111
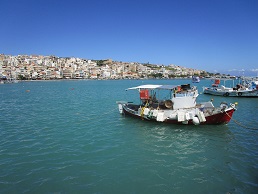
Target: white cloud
x=254, y=70
x=232, y=70
x=237, y=70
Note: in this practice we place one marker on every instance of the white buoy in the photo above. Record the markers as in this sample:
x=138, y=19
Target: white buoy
x=196, y=120
x=146, y=111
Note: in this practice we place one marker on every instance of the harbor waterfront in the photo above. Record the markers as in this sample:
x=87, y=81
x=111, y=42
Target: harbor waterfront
x=68, y=137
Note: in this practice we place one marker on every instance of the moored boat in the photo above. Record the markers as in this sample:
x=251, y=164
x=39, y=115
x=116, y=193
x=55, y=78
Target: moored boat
x=241, y=90
x=176, y=105
x=195, y=79
x=4, y=80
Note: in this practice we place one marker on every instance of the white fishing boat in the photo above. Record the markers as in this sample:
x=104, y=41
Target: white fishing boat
x=176, y=105
x=241, y=90
x=196, y=79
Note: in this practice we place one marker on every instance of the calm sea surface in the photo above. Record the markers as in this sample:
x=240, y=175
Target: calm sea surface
x=68, y=137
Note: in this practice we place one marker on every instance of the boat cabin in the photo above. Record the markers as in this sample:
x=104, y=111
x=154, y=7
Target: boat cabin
x=167, y=96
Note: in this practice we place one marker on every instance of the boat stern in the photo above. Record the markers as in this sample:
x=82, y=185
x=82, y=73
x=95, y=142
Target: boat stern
x=120, y=106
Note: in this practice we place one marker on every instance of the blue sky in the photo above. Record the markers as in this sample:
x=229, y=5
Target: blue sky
x=212, y=35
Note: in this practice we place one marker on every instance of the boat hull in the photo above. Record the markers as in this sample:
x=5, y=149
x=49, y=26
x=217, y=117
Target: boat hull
x=215, y=119
x=246, y=94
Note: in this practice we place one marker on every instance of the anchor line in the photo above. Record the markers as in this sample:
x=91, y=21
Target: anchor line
x=238, y=123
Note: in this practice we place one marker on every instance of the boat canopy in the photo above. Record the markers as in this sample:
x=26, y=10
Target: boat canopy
x=164, y=87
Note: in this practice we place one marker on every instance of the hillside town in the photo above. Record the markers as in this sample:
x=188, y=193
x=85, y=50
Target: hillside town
x=38, y=67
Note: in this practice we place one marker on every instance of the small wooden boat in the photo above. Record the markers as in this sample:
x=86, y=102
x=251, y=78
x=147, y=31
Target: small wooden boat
x=176, y=105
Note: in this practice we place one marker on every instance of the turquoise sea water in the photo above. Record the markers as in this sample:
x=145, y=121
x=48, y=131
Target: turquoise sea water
x=68, y=137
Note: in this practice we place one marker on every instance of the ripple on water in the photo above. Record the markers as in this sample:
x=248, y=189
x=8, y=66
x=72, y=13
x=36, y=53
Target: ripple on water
x=54, y=139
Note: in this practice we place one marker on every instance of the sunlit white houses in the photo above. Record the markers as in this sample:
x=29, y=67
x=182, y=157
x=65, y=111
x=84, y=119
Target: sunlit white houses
x=52, y=67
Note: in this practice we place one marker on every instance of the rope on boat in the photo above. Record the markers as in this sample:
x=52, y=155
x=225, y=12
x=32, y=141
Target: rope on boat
x=240, y=124
x=142, y=111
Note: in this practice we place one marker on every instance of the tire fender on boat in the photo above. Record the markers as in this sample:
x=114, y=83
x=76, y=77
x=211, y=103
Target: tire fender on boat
x=226, y=94
x=239, y=93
